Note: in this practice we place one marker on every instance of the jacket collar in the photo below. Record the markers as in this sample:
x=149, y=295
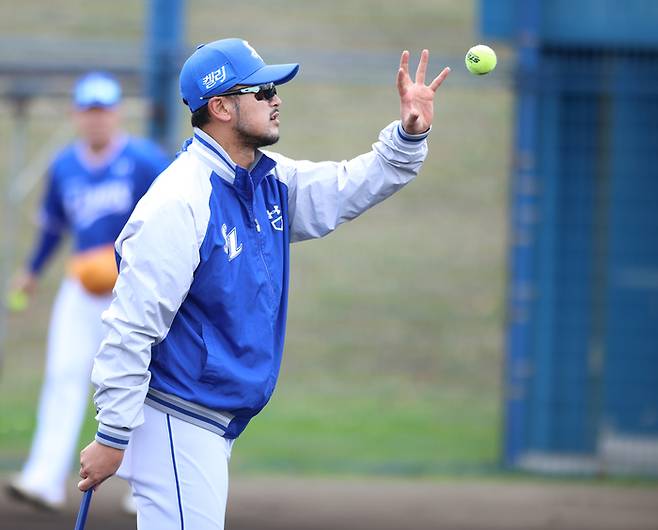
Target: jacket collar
x=217, y=158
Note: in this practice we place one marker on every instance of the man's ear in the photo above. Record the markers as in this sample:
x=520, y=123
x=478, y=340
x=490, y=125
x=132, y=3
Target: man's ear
x=220, y=109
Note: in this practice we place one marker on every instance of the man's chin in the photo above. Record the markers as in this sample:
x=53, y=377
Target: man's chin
x=259, y=140
x=270, y=139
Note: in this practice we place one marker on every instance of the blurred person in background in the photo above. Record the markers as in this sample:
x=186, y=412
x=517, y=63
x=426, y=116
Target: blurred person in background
x=93, y=184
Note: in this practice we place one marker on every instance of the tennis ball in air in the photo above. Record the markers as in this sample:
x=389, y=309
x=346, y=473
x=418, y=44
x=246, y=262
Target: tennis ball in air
x=480, y=59
x=17, y=301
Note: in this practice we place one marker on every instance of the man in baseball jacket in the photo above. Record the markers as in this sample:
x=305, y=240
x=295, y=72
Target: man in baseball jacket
x=194, y=334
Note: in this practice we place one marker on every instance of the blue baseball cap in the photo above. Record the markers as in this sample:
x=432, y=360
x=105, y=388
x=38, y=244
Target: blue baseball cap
x=220, y=65
x=96, y=89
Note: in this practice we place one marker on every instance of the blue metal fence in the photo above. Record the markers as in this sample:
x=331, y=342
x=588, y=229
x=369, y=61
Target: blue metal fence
x=582, y=338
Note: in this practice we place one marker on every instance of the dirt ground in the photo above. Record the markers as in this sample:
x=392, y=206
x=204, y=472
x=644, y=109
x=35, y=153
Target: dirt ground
x=273, y=503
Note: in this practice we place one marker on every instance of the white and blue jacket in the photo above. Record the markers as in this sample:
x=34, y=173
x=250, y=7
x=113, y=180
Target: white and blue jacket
x=197, y=323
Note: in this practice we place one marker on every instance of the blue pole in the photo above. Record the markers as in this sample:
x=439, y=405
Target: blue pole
x=83, y=510
x=164, y=48
x=522, y=252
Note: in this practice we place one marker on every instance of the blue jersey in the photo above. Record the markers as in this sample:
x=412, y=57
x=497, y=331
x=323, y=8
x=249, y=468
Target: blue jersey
x=92, y=201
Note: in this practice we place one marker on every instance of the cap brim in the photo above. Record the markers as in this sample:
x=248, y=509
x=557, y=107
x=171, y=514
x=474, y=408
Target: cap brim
x=272, y=73
x=95, y=105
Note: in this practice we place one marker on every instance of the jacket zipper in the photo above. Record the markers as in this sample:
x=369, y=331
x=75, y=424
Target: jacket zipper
x=260, y=251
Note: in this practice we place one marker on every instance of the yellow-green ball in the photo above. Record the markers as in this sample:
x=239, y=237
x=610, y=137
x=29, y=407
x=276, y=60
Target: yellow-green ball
x=480, y=59
x=17, y=301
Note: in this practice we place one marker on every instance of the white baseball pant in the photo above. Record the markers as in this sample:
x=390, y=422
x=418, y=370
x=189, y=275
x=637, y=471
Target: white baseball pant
x=178, y=473
x=74, y=336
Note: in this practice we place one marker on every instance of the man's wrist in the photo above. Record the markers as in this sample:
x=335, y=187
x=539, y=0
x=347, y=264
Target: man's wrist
x=408, y=137
x=112, y=437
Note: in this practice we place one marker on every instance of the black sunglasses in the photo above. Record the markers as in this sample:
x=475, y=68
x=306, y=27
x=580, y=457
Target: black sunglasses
x=266, y=91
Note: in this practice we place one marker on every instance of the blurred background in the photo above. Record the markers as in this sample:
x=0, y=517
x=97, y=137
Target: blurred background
x=496, y=321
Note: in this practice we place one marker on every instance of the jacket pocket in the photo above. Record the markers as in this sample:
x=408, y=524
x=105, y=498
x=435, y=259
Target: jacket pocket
x=213, y=368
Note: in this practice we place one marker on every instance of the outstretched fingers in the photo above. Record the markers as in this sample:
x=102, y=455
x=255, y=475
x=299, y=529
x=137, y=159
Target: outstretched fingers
x=404, y=62
x=400, y=80
x=436, y=83
x=403, y=72
x=422, y=67
x=404, y=80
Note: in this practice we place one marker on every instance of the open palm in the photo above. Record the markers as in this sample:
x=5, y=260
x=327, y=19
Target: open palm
x=417, y=98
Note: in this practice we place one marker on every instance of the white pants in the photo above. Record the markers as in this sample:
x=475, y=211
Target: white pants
x=74, y=336
x=178, y=473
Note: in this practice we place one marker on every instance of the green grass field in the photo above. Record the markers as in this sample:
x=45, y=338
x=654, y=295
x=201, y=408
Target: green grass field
x=394, y=346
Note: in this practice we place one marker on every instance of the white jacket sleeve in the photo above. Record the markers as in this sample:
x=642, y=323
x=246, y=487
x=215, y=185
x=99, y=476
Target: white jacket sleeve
x=159, y=249
x=326, y=194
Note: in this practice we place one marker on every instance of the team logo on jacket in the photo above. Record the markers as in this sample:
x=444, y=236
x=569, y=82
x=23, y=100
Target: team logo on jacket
x=231, y=247
x=275, y=217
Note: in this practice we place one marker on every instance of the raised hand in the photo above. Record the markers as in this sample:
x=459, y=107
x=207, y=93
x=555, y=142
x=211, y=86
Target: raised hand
x=417, y=98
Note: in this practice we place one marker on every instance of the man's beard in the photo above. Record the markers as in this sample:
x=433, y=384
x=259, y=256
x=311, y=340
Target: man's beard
x=255, y=140
x=250, y=138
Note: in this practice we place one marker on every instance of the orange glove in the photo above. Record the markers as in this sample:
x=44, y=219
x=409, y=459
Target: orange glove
x=96, y=269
